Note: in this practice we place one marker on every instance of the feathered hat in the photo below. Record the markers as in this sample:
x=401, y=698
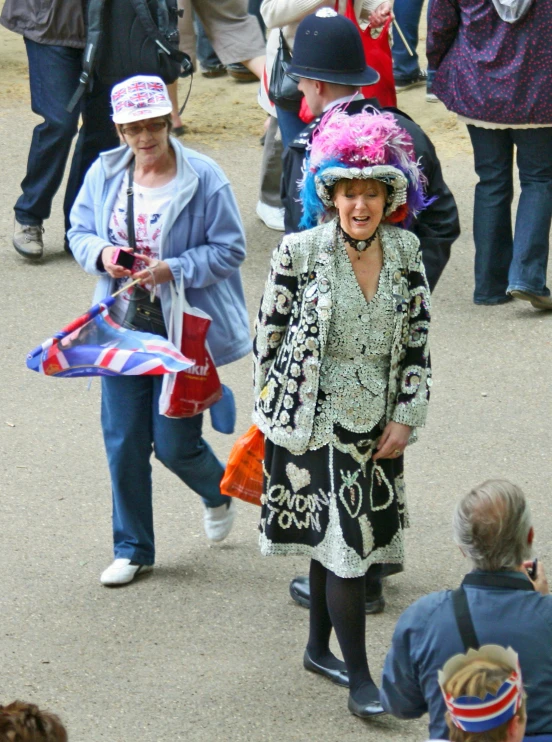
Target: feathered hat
x=474, y=714
x=366, y=145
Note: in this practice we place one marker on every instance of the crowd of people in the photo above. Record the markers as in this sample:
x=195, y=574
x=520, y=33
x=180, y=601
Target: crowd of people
x=342, y=368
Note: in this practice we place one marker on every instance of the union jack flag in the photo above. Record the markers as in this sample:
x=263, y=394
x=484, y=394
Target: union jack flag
x=94, y=345
x=137, y=87
x=157, y=87
x=116, y=94
x=473, y=714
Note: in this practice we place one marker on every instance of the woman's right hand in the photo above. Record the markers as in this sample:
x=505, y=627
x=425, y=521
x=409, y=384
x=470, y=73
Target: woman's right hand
x=114, y=270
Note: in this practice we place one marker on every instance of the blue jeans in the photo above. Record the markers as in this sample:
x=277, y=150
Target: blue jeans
x=54, y=76
x=205, y=53
x=506, y=261
x=133, y=429
x=407, y=14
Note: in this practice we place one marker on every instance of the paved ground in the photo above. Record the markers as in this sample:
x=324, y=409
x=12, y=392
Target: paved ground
x=209, y=646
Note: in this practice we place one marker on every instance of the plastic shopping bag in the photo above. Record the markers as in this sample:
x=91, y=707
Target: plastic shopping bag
x=243, y=477
x=194, y=390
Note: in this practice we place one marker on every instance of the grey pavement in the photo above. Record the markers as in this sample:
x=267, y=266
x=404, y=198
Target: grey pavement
x=209, y=646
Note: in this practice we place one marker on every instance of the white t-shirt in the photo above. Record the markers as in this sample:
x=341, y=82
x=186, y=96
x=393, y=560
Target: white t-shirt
x=150, y=207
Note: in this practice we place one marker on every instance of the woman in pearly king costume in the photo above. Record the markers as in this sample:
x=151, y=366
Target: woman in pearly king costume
x=342, y=378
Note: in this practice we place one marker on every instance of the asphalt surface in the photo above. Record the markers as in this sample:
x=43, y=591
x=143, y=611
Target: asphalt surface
x=209, y=646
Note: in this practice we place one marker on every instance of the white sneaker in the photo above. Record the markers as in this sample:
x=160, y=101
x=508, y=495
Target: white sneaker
x=121, y=572
x=218, y=522
x=271, y=216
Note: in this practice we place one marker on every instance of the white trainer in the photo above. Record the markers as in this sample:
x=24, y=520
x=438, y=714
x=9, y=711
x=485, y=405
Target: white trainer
x=218, y=522
x=271, y=216
x=122, y=571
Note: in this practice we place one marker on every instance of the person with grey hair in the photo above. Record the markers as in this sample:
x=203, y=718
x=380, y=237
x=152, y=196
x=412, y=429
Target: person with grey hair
x=504, y=600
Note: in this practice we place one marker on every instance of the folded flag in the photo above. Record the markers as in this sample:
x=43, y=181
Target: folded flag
x=95, y=345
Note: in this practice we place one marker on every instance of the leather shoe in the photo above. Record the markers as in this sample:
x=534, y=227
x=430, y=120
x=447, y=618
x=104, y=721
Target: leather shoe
x=339, y=677
x=299, y=589
x=365, y=710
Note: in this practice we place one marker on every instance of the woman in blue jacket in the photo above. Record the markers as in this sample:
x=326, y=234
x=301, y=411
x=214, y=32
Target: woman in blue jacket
x=187, y=227
x=493, y=62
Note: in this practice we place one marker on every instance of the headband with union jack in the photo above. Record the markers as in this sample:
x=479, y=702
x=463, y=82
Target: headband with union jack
x=473, y=714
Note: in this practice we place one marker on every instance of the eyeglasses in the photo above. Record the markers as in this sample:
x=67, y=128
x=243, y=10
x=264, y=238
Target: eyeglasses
x=136, y=129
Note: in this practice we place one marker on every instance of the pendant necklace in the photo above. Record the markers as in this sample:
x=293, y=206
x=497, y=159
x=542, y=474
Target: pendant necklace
x=359, y=245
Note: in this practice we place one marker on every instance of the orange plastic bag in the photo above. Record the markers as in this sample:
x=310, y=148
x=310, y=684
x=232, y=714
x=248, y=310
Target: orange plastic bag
x=243, y=477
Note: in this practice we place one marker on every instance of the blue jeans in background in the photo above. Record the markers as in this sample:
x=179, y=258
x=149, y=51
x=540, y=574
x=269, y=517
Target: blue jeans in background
x=407, y=14
x=506, y=261
x=133, y=429
x=54, y=73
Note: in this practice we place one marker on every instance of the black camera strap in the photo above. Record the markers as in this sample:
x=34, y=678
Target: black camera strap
x=462, y=609
x=130, y=205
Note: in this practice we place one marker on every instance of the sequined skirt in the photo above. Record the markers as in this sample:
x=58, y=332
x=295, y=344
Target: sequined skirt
x=334, y=504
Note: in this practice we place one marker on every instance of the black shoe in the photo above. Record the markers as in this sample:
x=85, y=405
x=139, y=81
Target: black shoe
x=405, y=83
x=337, y=676
x=367, y=705
x=299, y=589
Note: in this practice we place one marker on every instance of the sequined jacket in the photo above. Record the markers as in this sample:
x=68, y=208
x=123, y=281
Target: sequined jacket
x=292, y=330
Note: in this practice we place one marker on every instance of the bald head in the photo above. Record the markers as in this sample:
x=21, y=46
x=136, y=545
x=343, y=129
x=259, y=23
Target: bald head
x=492, y=524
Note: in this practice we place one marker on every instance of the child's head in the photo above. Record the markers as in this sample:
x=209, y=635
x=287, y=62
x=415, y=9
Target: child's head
x=484, y=695
x=25, y=722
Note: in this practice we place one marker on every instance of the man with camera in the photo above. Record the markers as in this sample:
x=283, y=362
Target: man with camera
x=505, y=600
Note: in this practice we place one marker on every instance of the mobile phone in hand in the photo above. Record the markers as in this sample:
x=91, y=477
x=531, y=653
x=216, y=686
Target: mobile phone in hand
x=124, y=258
x=532, y=570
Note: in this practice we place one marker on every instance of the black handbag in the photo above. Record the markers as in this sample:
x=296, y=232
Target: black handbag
x=142, y=313
x=283, y=90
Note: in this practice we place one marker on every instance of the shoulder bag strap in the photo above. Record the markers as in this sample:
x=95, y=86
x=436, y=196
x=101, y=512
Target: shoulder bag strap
x=93, y=32
x=130, y=206
x=464, y=619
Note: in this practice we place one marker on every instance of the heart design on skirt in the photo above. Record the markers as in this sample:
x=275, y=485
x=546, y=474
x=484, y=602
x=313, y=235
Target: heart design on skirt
x=299, y=478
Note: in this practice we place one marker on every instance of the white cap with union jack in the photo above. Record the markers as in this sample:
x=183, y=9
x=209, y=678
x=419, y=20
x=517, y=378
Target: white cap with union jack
x=139, y=97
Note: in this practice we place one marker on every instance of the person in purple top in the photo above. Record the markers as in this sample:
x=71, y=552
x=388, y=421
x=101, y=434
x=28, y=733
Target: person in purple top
x=493, y=67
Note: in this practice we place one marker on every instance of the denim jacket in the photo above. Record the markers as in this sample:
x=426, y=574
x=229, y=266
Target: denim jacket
x=202, y=241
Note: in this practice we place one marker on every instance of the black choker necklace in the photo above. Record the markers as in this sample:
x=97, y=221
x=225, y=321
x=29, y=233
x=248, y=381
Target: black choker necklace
x=358, y=245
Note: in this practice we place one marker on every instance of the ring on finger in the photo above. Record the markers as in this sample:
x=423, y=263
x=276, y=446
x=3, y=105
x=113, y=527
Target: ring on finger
x=397, y=452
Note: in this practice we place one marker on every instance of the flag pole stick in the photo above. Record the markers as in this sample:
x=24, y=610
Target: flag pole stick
x=405, y=42
x=126, y=286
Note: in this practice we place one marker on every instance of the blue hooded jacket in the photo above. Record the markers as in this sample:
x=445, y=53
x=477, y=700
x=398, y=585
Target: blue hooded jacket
x=202, y=241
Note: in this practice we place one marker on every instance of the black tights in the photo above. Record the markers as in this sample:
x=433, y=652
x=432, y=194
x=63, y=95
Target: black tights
x=340, y=603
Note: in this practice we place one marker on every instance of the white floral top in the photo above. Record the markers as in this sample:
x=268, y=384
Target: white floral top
x=355, y=368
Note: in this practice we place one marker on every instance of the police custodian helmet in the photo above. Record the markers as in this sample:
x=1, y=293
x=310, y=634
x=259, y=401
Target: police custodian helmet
x=328, y=47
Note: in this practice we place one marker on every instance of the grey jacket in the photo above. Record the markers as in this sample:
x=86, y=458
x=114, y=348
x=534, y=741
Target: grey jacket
x=293, y=324
x=56, y=22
